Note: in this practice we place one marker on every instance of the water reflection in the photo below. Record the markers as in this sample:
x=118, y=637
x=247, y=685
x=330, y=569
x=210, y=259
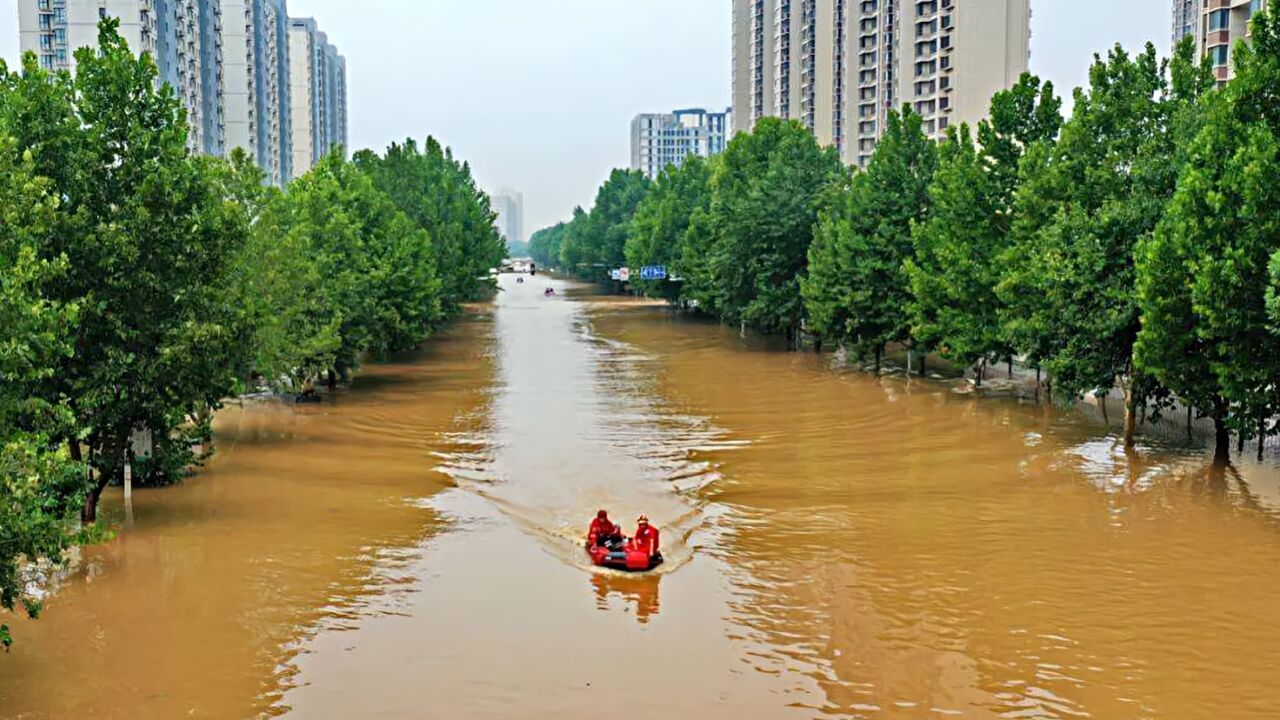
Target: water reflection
x=840, y=546
x=636, y=594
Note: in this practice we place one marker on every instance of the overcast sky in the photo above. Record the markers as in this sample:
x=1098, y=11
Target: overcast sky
x=539, y=94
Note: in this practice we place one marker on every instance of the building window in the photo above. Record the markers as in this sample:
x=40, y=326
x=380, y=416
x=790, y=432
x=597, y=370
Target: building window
x=1219, y=55
x=1220, y=19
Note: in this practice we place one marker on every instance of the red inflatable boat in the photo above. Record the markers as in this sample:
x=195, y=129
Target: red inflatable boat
x=622, y=556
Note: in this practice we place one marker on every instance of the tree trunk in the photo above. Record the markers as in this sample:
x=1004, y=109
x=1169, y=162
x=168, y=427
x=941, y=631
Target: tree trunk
x=817, y=345
x=1011, y=368
x=1037, y=383
x=1240, y=443
x=1130, y=417
x=1222, y=442
x=333, y=379
x=1102, y=403
x=1262, y=436
x=879, y=354
x=1190, y=421
x=911, y=353
x=981, y=371
x=923, y=359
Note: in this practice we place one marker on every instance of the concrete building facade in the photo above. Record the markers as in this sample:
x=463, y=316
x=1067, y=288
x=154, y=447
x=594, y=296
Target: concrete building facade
x=662, y=139
x=182, y=36
x=509, y=207
x=318, y=91
x=255, y=48
x=839, y=66
x=1186, y=17
x=1217, y=26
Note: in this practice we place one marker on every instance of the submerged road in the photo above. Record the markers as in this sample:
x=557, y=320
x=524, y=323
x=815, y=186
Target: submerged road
x=839, y=546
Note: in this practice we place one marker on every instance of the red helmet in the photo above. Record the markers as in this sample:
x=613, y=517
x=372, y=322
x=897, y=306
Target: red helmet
x=603, y=515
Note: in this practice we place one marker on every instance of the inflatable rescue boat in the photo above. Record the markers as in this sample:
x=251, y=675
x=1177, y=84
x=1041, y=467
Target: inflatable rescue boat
x=622, y=556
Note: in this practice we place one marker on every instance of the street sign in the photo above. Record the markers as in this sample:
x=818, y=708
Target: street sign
x=624, y=274
x=615, y=274
x=653, y=272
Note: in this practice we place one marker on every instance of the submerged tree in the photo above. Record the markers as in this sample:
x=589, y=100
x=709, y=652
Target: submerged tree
x=662, y=220
x=1207, y=274
x=40, y=488
x=767, y=190
x=957, y=266
x=869, y=239
x=1070, y=287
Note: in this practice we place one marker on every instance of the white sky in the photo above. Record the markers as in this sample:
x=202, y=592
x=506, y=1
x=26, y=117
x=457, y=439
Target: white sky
x=539, y=94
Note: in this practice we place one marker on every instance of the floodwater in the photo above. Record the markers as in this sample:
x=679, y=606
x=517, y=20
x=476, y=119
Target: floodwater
x=838, y=546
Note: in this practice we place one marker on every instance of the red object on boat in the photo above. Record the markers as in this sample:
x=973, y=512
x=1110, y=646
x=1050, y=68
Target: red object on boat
x=623, y=557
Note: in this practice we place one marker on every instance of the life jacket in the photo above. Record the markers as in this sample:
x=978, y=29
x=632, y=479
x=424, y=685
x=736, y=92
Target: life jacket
x=646, y=539
x=602, y=528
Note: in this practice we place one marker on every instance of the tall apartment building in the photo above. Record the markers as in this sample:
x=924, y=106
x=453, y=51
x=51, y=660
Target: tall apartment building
x=318, y=89
x=255, y=50
x=1186, y=17
x=839, y=66
x=659, y=140
x=183, y=37
x=509, y=206
x=1217, y=26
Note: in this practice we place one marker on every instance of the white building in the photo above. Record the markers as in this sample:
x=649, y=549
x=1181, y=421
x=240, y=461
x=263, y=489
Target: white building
x=182, y=36
x=659, y=140
x=509, y=206
x=255, y=49
x=318, y=89
x=839, y=66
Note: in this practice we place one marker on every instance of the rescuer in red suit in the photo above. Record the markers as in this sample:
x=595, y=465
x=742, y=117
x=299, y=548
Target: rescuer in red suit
x=646, y=538
x=603, y=531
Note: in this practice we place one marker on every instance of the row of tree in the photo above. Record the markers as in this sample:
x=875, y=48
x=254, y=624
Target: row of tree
x=1133, y=245
x=140, y=284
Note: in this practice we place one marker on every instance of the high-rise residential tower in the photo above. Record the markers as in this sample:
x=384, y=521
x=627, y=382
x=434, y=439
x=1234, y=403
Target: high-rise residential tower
x=509, y=207
x=839, y=66
x=255, y=50
x=318, y=90
x=1217, y=26
x=182, y=36
x=659, y=140
x=1186, y=16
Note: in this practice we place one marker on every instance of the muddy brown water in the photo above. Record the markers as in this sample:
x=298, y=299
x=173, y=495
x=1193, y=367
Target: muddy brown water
x=838, y=546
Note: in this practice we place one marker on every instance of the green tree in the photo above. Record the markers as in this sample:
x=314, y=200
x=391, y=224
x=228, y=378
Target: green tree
x=1085, y=202
x=439, y=194
x=767, y=190
x=286, y=335
x=869, y=238
x=957, y=248
x=378, y=269
x=544, y=245
x=40, y=488
x=662, y=219
x=953, y=273
x=598, y=241
x=828, y=287
x=149, y=238
x=1207, y=274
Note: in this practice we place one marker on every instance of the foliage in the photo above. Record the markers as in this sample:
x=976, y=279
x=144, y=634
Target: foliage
x=1207, y=276
x=766, y=192
x=867, y=241
x=40, y=489
x=957, y=266
x=596, y=243
x=1085, y=203
x=662, y=220
x=141, y=285
x=439, y=195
